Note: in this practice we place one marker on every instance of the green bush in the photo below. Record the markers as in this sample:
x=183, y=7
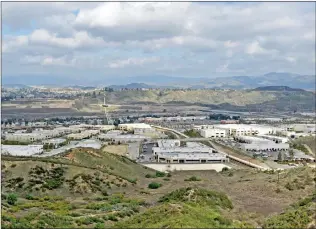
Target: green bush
x=13, y=165
x=154, y=185
x=225, y=169
x=99, y=226
x=168, y=174
x=148, y=176
x=193, y=178
x=160, y=174
x=12, y=199
x=29, y=197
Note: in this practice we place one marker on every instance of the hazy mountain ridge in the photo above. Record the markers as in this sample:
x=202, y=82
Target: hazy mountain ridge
x=306, y=82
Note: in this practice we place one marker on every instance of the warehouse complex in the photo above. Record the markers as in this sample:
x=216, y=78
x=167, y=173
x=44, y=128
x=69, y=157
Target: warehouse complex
x=170, y=151
x=21, y=150
x=250, y=143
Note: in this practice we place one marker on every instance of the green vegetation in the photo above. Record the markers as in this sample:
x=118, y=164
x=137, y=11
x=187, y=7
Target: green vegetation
x=297, y=216
x=192, y=134
x=186, y=208
x=12, y=198
x=8, y=142
x=158, y=174
x=193, y=178
x=300, y=147
x=154, y=185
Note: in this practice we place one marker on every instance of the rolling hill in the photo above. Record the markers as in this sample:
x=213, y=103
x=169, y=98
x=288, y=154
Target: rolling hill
x=90, y=188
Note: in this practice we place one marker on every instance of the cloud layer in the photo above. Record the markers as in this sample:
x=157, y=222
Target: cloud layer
x=181, y=39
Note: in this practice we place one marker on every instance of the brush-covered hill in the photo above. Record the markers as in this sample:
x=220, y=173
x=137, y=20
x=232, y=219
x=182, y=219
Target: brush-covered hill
x=87, y=188
x=216, y=99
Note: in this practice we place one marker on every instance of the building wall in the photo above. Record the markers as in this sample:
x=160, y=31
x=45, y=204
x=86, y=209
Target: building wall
x=213, y=133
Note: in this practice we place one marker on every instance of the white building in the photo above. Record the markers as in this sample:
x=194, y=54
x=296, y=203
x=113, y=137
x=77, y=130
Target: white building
x=243, y=129
x=170, y=151
x=55, y=141
x=132, y=126
x=276, y=139
x=126, y=138
x=260, y=144
x=21, y=150
x=83, y=134
x=213, y=133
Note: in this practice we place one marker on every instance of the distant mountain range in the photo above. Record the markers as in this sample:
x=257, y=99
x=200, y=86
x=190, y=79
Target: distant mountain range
x=306, y=82
x=277, y=88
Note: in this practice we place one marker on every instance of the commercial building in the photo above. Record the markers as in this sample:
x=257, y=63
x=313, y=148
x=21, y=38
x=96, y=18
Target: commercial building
x=243, y=129
x=306, y=128
x=170, y=151
x=126, y=138
x=21, y=150
x=56, y=142
x=250, y=143
x=83, y=134
x=213, y=133
x=132, y=126
x=276, y=139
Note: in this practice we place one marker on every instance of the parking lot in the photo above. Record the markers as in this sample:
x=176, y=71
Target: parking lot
x=146, y=153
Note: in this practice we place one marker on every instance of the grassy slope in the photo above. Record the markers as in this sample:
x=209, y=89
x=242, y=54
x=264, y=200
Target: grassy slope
x=90, y=173
x=309, y=141
x=188, y=208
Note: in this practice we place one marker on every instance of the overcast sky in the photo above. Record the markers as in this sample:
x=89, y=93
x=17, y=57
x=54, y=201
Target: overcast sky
x=176, y=39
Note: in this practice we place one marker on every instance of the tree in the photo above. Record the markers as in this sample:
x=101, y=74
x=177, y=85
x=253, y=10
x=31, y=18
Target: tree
x=12, y=198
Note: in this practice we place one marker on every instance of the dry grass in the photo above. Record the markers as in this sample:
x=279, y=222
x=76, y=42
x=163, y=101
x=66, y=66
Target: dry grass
x=116, y=149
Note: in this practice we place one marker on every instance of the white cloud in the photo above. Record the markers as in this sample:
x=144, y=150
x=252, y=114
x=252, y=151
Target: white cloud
x=291, y=59
x=133, y=62
x=253, y=36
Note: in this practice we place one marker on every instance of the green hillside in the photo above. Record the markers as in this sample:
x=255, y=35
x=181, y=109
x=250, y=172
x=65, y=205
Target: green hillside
x=225, y=99
x=90, y=188
x=186, y=208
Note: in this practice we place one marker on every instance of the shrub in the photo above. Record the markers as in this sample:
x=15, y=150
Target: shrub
x=29, y=197
x=148, y=176
x=13, y=165
x=166, y=179
x=168, y=174
x=225, y=169
x=99, y=225
x=160, y=174
x=154, y=185
x=12, y=198
x=193, y=178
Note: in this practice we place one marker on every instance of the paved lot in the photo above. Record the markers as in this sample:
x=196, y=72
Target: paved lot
x=133, y=150
x=146, y=155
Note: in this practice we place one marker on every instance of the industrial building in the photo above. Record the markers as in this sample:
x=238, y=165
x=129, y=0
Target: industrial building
x=129, y=138
x=83, y=134
x=132, y=126
x=56, y=142
x=170, y=151
x=276, y=139
x=250, y=143
x=21, y=150
x=213, y=133
x=243, y=129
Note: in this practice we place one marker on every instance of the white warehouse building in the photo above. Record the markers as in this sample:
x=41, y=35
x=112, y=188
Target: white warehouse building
x=260, y=144
x=21, y=150
x=170, y=151
x=213, y=133
x=132, y=126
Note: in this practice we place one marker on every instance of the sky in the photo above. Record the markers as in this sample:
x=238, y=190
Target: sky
x=209, y=39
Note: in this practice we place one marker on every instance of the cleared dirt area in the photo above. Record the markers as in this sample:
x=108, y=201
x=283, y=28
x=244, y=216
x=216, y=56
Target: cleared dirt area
x=116, y=149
